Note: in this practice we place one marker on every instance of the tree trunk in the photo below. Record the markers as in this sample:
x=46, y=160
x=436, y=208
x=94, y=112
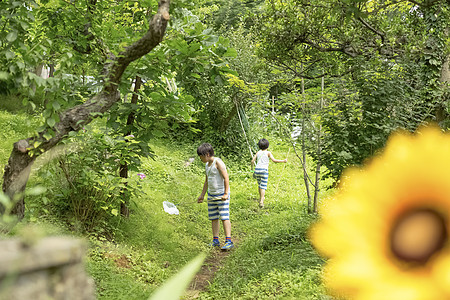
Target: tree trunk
x=15, y=177
x=305, y=174
x=124, y=205
x=317, y=181
x=51, y=71
x=25, y=151
x=445, y=72
x=441, y=111
x=319, y=152
x=38, y=70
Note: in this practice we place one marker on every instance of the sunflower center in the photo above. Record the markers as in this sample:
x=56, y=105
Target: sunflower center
x=418, y=235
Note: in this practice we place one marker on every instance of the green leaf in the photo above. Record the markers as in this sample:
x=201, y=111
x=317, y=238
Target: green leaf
x=174, y=288
x=219, y=80
x=231, y=52
x=211, y=40
x=434, y=62
x=155, y=95
x=9, y=54
x=24, y=25
x=21, y=65
x=51, y=121
x=158, y=133
x=4, y=75
x=114, y=212
x=12, y=36
x=47, y=136
x=56, y=105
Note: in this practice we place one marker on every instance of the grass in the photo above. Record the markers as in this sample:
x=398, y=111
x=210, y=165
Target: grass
x=13, y=128
x=155, y=244
x=12, y=103
x=273, y=259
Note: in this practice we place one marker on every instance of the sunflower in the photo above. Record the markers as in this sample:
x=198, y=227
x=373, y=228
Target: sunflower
x=385, y=231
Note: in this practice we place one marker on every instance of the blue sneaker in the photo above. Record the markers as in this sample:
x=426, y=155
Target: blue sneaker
x=215, y=243
x=228, y=245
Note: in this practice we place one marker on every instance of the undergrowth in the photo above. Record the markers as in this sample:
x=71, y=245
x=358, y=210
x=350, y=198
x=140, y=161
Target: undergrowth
x=273, y=258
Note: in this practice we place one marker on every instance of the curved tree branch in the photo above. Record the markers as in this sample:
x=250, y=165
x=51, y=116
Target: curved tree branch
x=364, y=22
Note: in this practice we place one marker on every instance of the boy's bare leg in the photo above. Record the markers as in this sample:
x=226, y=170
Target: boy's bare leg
x=262, y=194
x=215, y=227
x=227, y=227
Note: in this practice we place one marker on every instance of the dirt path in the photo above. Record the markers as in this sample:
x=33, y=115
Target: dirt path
x=213, y=263
x=205, y=276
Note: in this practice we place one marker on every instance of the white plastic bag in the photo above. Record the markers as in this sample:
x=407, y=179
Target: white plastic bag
x=170, y=208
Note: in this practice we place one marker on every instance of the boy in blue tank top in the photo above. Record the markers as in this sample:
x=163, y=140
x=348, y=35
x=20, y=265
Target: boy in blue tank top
x=217, y=185
x=262, y=168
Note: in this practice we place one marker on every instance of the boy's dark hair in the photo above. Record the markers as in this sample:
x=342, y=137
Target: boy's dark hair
x=263, y=144
x=205, y=149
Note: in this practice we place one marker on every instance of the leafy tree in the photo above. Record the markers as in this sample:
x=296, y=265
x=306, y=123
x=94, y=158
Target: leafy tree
x=20, y=49
x=227, y=15
x=371, y=52
x=92, y=56
x=60, y=124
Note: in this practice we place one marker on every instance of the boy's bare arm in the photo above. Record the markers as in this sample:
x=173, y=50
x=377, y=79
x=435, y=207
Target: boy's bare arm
x=226, y=181
x=276, y=160
x=254, y=159
x=205, y=188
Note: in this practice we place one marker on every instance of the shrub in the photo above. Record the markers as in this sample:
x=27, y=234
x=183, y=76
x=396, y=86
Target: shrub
x=83, y=183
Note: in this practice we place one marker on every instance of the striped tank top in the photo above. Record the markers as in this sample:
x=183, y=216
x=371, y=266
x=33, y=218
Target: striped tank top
x=216, y=185
x=262, y=160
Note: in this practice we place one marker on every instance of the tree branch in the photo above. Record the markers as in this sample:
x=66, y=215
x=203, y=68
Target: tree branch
x=289, y=67
x=372, y=29
x=346, y=49
x=74, y=118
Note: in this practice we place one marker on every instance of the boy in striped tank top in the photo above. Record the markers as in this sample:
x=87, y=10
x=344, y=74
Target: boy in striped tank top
x=218, y=187
x=262, y=168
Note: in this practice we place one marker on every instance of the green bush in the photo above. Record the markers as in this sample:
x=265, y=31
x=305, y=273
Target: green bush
x=83, y=182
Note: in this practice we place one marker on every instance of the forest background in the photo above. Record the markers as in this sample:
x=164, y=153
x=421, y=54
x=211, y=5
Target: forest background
x=106, y=101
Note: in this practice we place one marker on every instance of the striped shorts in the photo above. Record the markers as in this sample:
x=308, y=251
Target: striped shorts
x=262, y=176
x=218, y=209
